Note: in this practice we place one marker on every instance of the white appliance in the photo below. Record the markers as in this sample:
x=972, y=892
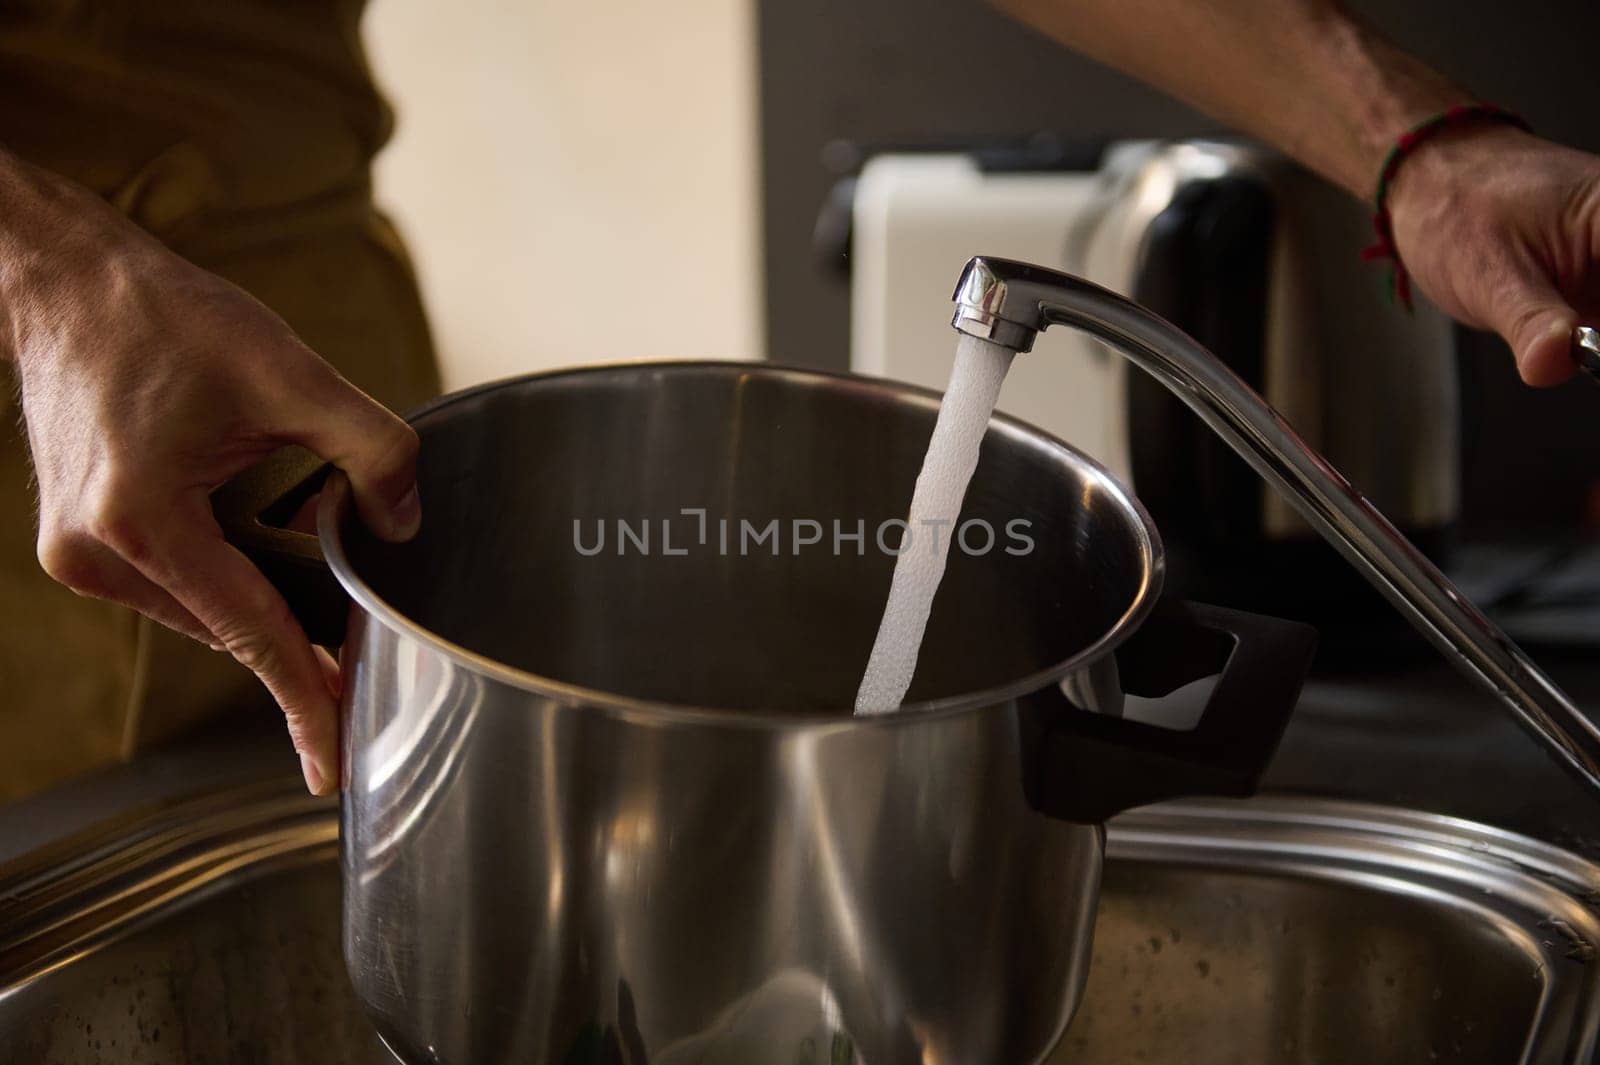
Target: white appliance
x=917, y=217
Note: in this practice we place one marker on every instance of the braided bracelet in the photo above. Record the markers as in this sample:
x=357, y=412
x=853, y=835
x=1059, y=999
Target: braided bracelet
x=1384, y=247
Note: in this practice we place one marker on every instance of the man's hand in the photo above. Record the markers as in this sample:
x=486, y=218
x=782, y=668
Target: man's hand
x=146, y=383
x=1498, y=227
x=1502, y=231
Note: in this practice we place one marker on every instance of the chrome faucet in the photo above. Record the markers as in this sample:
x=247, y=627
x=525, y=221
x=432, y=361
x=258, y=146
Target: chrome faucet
x=1010, y=303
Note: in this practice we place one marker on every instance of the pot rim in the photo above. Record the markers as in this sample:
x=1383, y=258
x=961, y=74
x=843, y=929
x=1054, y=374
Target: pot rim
x=335, y=509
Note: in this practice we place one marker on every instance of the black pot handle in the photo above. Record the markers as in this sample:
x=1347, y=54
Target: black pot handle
x=1085, y=766
x=253, y=509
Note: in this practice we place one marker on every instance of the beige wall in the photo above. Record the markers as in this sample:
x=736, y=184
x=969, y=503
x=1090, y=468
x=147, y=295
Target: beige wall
x=578, y=181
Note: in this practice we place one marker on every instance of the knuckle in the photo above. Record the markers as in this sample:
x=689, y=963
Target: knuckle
x=250, y=637
x=115, y=519
x=68, y=560
x=301, y=723
x=1521, y=319
x=254, y=649
x=407, y=445
x=398, y=445
x=358, y=431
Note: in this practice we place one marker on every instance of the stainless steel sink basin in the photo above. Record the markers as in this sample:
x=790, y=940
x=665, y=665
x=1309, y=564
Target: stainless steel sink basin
x=1308, y=931
x=1275, y=930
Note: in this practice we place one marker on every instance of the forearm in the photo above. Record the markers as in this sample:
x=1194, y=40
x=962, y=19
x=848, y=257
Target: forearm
x=1297, y=74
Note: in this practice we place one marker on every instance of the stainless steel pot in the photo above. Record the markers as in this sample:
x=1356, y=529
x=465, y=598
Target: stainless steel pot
x=610, y=804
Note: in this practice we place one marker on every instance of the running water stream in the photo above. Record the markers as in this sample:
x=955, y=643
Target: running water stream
x=975, y=379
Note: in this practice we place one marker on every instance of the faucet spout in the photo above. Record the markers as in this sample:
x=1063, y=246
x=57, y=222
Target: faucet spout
x=1010, y=303
x=1003, y=301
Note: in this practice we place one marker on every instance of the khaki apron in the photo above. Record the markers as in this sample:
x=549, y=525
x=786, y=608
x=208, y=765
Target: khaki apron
x=239, y=132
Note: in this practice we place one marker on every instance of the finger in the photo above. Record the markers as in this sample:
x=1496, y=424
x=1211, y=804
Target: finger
x=1537, y=322
x=334, y=679
x=376, y=449
x=159, y=606
x=330, y=672
x=92, y=569
x=228, y=595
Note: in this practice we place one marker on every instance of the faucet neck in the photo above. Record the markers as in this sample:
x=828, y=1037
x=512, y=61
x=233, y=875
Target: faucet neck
x=1010, y=303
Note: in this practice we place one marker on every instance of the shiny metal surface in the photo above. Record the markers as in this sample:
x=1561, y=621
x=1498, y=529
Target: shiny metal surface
x=1306, y=931
x=1375, y=392
x=201, y=931
x=134, y=866
x=1012, y=302
x=1299, y=932
x=1586, y=350
x=560, y=834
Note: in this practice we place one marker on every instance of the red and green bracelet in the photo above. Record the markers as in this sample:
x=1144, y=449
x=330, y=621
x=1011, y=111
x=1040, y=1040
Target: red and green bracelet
x=1384, y=247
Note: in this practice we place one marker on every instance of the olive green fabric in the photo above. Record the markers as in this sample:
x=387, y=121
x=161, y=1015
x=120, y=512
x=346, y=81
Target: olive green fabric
x=239, y=132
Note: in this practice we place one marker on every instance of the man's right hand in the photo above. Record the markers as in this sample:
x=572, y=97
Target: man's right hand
x=1502, y=230
x=146, y=383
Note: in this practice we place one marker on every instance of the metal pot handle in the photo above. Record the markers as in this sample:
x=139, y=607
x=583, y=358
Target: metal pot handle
x=254, y=508
x=1085, y=766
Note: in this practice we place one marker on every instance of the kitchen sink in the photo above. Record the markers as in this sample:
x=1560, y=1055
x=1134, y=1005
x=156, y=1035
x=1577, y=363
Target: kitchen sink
x=1309, y=931
x=1272, y=930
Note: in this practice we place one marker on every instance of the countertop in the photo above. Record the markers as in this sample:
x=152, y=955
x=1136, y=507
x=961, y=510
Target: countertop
x=1423, y=737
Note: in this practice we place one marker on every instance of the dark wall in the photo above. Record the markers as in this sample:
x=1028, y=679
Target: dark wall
x=913, y=70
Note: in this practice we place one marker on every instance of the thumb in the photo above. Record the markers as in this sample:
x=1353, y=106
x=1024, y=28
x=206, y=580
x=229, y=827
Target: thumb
x=1538, y=325
x=376, y=449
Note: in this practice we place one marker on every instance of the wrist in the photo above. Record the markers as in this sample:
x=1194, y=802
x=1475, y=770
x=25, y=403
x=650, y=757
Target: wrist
x=1429, y=183
x=52, y=233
